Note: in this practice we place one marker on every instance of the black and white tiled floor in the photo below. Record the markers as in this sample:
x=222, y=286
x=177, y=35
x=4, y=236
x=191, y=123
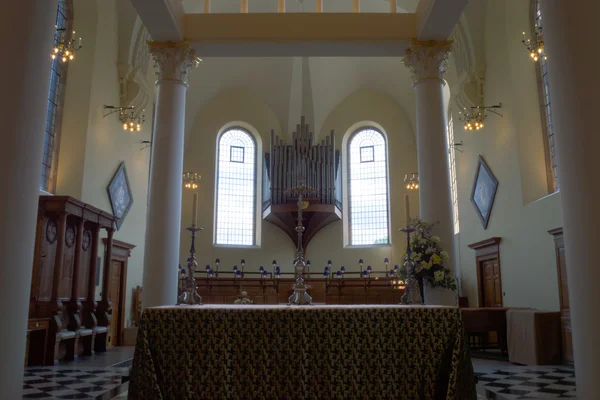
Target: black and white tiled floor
x=527, y=382
x=71, y=382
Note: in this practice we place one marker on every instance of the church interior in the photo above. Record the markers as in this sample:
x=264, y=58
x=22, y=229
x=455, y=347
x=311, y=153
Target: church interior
x=299, y=199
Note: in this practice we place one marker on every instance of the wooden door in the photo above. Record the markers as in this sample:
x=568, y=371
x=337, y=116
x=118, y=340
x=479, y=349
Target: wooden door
x=492, y=283
x=115, y=294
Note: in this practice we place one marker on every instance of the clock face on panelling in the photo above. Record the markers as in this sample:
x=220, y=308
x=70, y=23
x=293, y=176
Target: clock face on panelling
x=70, y=236
x=87, y=239
x=51, y=231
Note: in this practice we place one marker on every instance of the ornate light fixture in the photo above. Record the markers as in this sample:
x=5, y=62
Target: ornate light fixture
x=65, y=49
x=191, y=180
x=535, y=46
x=412, y=183
x=474, y=119
x=131, y=122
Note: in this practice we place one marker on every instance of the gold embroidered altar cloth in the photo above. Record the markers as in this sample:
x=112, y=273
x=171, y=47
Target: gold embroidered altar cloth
x=312, y=352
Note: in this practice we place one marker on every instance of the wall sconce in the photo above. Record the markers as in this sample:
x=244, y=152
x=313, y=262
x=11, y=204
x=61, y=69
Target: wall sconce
x=474, y=119
x=412, y=183
x=535, y=46
x=130, y=121
x=191, y=180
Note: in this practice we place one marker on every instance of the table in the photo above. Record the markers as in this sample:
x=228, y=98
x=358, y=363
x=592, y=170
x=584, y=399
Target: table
x=309, y=352
x=533, y=337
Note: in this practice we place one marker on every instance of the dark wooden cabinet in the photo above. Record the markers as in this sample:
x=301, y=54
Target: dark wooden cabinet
x=563, y=290
x=64, y=272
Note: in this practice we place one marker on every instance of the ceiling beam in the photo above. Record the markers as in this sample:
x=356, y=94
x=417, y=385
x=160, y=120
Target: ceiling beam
x=436, y=18
x=272, y=35
x=162, y=18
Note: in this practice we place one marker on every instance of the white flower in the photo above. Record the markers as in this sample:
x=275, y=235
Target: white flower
x=430, y=250
x=445, y=255
x=436, y=239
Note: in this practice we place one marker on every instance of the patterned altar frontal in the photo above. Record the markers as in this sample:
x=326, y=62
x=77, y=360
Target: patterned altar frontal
x=312, y=352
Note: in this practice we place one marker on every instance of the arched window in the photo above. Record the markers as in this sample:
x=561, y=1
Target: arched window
x=58, y=70
x=545, y=105
x=235, y=221
x=368, y=188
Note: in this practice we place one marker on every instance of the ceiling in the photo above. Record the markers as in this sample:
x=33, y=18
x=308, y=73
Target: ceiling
x=270, y=6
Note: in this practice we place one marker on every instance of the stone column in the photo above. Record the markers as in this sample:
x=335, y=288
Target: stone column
x=28, y=26
x=173, y=61
x=573, y=64
x=427, y=62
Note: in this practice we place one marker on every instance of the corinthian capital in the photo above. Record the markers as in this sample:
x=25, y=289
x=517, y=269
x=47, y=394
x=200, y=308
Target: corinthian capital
x=427, y=60
x=173, y=60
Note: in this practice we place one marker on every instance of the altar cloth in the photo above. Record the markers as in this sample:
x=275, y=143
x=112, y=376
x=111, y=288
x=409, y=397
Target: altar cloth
x=311, y=352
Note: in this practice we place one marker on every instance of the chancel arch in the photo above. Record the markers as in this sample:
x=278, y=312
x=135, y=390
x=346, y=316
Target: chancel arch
x=367, y=216
x=236, y=186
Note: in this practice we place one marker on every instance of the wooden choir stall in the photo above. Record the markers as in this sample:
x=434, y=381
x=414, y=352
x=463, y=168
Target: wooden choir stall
x=64, y=318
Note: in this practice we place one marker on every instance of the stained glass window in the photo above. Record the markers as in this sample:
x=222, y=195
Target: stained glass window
x=453, y=180
x=236, y=189
x=368, y=188
x=57, y=77
x=546, y=107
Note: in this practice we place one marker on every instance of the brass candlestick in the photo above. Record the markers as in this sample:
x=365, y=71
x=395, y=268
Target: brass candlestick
x=190, y=294
x=300, y=295
x=412, y=291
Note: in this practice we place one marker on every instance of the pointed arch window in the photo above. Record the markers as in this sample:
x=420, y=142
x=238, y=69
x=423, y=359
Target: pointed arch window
x=235, y=216
x=58, y=71
x=368, y=203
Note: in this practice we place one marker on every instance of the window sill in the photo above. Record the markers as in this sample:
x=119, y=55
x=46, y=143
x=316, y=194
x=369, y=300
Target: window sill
x=236, y=246
x=367, y=246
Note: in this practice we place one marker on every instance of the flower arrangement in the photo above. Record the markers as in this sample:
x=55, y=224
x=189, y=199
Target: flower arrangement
x=242, y=298
x=428, y=257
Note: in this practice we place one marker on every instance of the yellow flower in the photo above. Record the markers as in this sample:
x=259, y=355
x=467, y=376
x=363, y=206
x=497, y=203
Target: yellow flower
x=435, y=259
x=445, y=255
x=438, y=275
x=427, y=265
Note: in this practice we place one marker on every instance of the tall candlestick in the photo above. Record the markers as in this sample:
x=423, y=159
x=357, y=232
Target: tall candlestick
x=195, y=212
x=407, y=211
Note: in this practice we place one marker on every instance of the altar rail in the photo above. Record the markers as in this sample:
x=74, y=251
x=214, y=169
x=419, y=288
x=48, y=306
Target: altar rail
x=224, y=290
x=245, y=6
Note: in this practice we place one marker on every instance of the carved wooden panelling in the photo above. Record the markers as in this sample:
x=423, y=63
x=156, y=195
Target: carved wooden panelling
x=85, y=264
x=46, y=263
x=66, y=276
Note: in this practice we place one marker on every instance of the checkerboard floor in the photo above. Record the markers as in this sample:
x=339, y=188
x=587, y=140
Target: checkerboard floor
x=530, y=382
x=69, y=382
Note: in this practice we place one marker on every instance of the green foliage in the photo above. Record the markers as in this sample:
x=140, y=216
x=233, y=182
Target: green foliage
x=428, y=257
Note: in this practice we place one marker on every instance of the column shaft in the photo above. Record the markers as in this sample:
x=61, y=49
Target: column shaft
x=164, y=207
x=28, y=26
x=427, y=61
x=573, y=65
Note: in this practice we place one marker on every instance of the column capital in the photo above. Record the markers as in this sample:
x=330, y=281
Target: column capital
x=427, y=59
x=173, y=61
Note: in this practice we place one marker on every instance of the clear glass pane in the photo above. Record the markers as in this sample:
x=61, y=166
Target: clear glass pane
x=236, y=189
x=368, y=188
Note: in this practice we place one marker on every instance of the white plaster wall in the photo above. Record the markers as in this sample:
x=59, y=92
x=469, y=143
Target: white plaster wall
x=246, y=109
x=242, y=106
x=364, y=106
x=511, y=147
x=92, y=147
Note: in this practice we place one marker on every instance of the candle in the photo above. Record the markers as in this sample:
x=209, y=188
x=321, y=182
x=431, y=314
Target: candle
x=407, y=210
x=195, y=212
